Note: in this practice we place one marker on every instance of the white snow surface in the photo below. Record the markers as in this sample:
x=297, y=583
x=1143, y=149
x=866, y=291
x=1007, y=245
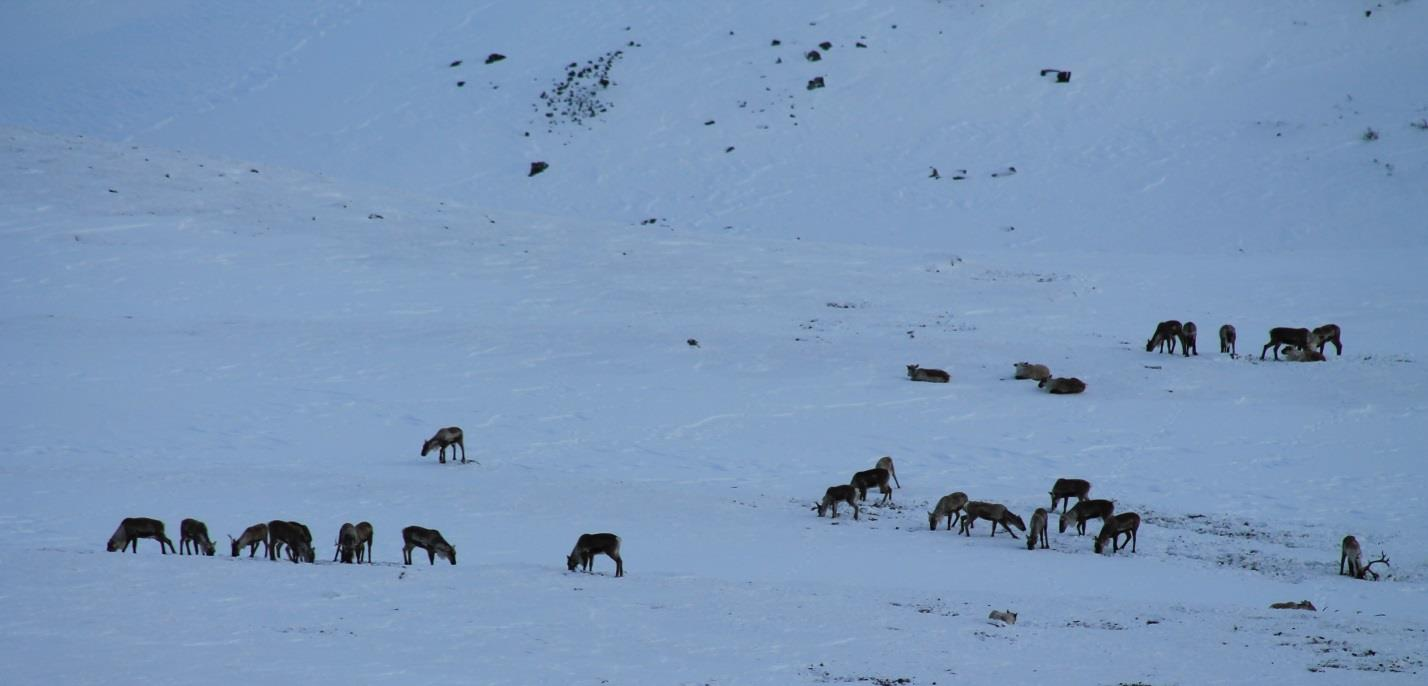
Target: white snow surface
x=253, y=254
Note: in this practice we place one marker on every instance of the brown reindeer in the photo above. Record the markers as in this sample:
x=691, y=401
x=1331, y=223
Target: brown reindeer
x=194, y=533
x=1062, y=385
x=1065, y=489
x=346, y=543
x=443, y=439
x=885, y=462
x=949, y=506
x=1027, y=370
x=134, y=528
x=1038, y=530
x=1126, y=524
x=1227, y=340
x=844, y=493
x=993, y=512
x=1187, y=339
x=252, y=536
x=429, y=540
x=877, y=476
x=917, y=373
x=1352, y=557
x=293, y=535
x=590, y=545
x=1283, y=335
x=1329, y=333
x=1165, y=334
x=1085, y=511
x=364, y=538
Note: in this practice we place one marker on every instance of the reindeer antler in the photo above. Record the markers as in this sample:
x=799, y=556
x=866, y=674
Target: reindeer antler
x=1368, y=568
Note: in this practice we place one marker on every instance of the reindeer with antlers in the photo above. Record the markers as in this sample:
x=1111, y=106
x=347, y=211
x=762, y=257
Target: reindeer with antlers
x=1351, y=557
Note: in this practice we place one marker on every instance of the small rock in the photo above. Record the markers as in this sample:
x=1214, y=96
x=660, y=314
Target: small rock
x=826, y=45
x=812, y=56
x=815, y=82
x=1301, y=605
x=776, y=42
x=459, y=84
x=493, y=57
x=457, y=63
x=537, y=167
x=692, y=343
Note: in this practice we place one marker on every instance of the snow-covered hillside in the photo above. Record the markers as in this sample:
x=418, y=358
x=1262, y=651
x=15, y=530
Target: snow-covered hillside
x=253, y=257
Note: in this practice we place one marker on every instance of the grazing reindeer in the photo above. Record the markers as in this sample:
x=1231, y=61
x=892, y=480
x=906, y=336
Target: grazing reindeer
x=1065, y=489
x=1062, y=385
x=308, y=553
x=590, y=545
x=444, y=438
x=295, y=536
x=1165, y=334
x=993, y=512
x=1283, y=335
x=917, y=373
x=1027, y=370
x=364, y=537
x=346, y=543
x=1329, y=333
x=252, y=536
x=844, y=493
x=1038, y=530
x=134, y=528
x=1187, y=339
x=877, y=476
x=1351, y=556
x=1227, y=340
x=195, y=533
x=1087, y=510
x=1127, y=524
x=950, y=506
x=428, y=539
x=885, y=462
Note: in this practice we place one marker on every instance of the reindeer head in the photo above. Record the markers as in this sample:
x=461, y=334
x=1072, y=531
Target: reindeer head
x=912, y=369
x=571, y=562
x=1014, y=521
x=1067, y=518
x=446, y=551
x=234, y=543
x=932, y=520
x=426, y=446
x=209, y=548
x=821, y=507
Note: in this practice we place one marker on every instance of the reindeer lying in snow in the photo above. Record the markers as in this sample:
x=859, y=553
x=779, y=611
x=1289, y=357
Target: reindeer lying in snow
x=1062, y=385
x=590, y=545
x=134, y=528
x=917, y=373
x=1036, y=372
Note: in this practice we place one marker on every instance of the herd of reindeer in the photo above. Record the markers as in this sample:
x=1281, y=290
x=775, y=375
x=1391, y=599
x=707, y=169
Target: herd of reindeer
x=354, y=542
